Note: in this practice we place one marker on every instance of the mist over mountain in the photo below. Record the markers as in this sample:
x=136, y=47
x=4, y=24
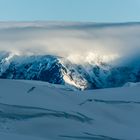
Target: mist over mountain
x=81, y=55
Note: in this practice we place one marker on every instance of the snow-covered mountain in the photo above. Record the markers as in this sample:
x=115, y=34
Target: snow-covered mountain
x=32, y=110
x=77, y=55
x=59, y=70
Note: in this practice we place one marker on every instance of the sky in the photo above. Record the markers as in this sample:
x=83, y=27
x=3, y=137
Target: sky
x=70, y=10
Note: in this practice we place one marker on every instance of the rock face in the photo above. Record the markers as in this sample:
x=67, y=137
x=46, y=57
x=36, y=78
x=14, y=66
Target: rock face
x=59, y=70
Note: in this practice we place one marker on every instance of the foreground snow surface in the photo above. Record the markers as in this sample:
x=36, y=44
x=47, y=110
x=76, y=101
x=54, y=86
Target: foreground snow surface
x=37, y=111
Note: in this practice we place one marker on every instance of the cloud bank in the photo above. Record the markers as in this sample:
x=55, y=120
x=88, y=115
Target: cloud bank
x=72, y=39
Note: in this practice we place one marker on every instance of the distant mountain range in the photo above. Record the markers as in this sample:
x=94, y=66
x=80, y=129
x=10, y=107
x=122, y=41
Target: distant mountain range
x=58, y=70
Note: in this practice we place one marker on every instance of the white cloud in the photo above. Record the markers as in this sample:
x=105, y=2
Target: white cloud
x=71, y=39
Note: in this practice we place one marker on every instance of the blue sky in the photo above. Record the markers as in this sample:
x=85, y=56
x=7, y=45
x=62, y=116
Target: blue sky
x=70, y=10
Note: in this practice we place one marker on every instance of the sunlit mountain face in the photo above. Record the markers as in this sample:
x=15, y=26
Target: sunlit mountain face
x=77, y=55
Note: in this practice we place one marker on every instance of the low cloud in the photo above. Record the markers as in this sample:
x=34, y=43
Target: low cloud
x=72, y=39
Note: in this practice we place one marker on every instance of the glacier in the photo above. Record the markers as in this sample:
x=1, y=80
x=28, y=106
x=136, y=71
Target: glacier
x=41, y=111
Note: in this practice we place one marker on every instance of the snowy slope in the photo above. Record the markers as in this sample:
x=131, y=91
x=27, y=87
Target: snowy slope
x=35, y=110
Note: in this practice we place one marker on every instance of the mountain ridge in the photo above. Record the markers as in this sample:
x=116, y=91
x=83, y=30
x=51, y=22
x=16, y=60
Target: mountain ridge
x=60, y=70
